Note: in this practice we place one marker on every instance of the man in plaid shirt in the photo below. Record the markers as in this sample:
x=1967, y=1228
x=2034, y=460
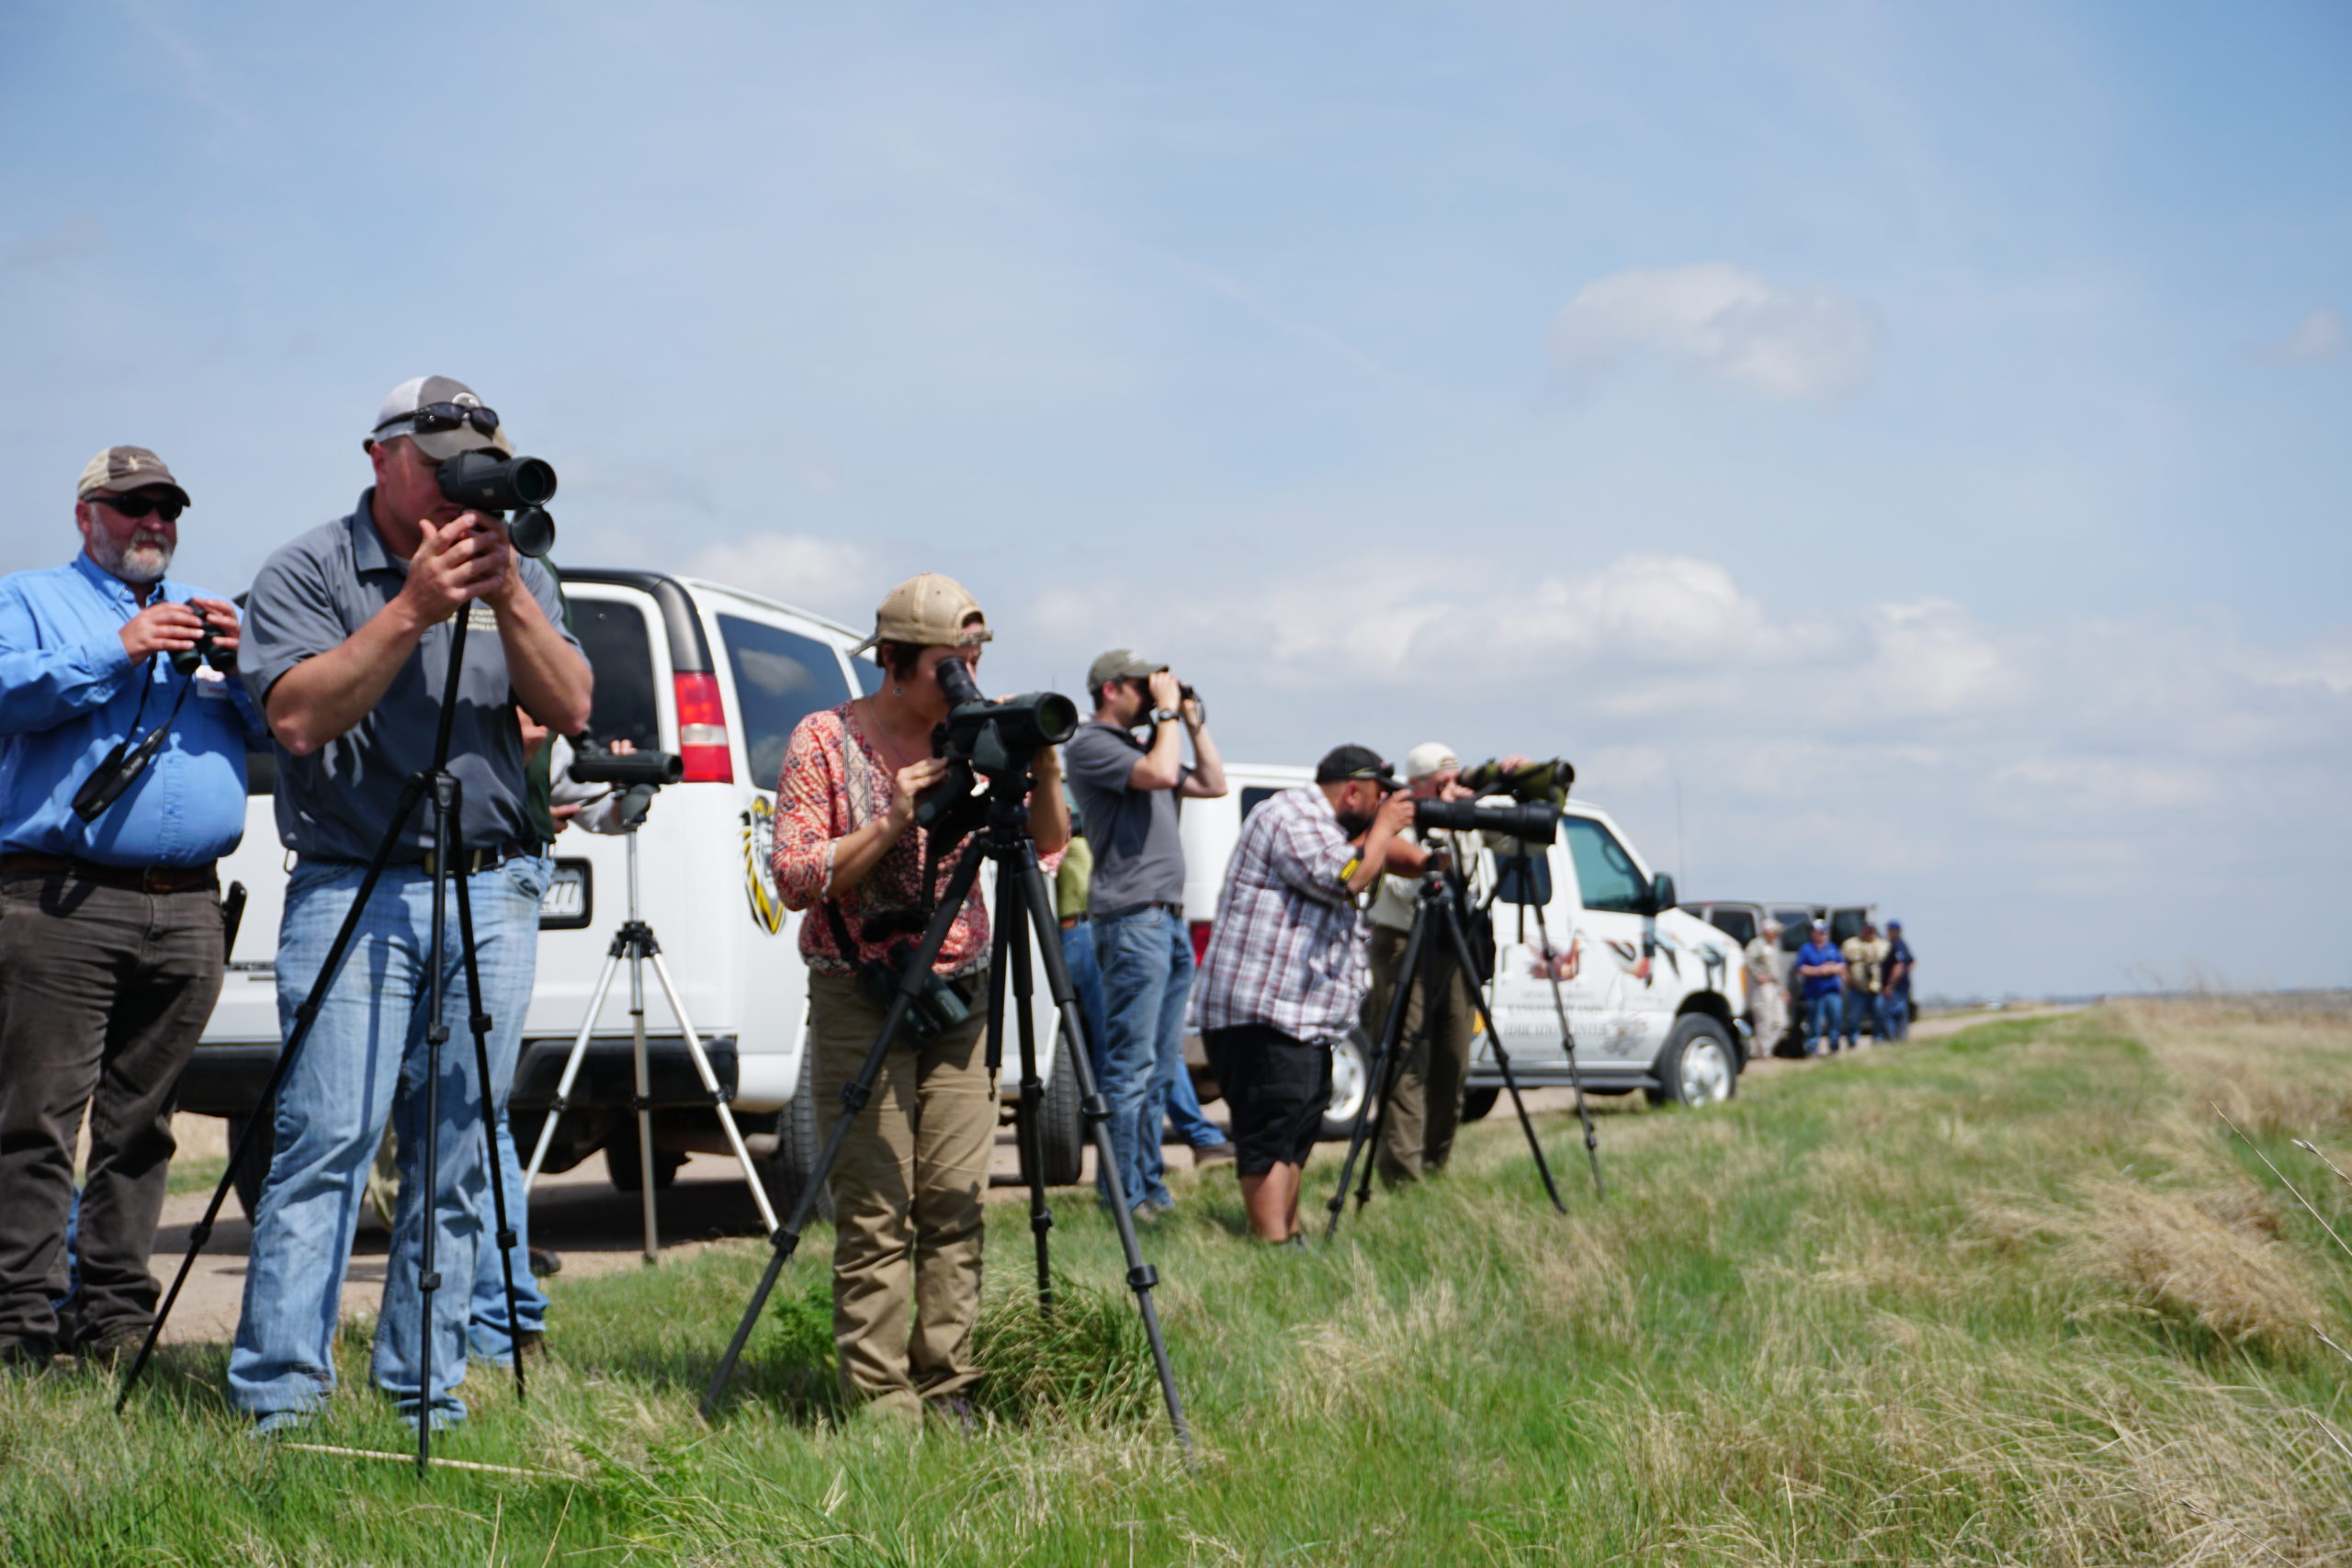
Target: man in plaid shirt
x=1286, y=971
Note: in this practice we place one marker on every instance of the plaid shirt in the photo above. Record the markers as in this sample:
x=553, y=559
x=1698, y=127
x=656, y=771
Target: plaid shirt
x=1290, y=949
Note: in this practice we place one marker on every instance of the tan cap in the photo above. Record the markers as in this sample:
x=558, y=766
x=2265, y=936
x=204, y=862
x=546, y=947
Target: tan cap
x=927, y=611
x=120, y=469
x=398, y=417
x=1119, y=664
x=1429, y=757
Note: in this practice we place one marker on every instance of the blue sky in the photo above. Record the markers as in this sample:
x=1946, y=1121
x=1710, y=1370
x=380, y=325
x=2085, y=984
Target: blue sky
x=1916, y=433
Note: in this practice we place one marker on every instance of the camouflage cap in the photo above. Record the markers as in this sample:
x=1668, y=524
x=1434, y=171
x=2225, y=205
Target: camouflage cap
x=119, y=468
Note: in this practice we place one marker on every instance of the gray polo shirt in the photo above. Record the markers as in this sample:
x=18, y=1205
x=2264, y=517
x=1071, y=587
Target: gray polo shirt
x=1139, y=855
x=335, y=803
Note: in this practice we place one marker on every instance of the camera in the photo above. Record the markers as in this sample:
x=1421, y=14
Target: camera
x=484, y=481
x=1529, y=821
x=1548, y=780
x=206, y=650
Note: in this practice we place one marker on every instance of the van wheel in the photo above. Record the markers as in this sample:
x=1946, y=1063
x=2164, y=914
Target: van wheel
x=621, y=1163
x=1061, y=1137
x=255, y=1164
x=799, y=1140
x=1351, y=1087
x=1697, y=1068
x=1477, y=1102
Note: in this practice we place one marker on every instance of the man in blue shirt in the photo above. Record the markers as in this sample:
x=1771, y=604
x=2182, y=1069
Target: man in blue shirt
x=110, y=933
x=351, y=638
x=1895, y=996
x=1821, y=968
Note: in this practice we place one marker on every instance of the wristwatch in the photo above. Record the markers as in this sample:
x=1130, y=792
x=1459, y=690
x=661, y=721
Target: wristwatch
x=1161, y=715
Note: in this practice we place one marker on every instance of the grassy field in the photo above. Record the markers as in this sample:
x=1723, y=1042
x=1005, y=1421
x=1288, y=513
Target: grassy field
x=2015, y=1296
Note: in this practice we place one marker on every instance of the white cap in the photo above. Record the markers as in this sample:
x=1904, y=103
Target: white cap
x=1429, y=757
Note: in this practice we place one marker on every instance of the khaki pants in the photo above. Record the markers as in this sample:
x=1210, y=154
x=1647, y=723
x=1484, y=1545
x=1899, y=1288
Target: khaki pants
x=906, y=1200
x=1425, y=1106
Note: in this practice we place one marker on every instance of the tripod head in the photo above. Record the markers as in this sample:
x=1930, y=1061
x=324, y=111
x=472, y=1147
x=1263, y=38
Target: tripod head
x=636, y=774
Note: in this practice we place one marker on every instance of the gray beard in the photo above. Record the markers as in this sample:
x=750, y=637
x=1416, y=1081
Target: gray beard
x=142, y=566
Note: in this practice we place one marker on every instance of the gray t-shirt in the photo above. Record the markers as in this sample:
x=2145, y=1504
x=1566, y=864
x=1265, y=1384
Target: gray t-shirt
x=335, y=803
x=1139, y=856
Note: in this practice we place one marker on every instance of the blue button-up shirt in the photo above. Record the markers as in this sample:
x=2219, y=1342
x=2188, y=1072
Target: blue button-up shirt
x=68, y=690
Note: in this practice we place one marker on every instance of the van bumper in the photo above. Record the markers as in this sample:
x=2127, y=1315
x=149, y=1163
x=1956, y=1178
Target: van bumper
x=227, y=1078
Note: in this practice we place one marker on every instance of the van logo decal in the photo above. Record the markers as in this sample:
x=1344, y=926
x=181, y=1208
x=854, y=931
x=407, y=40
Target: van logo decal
x=759, y=866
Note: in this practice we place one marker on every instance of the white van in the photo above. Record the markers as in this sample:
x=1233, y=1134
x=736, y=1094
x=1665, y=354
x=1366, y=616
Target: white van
x=1654, y=999
x=721, y=677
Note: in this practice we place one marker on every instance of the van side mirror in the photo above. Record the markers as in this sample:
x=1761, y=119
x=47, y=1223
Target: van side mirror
x=1661, y=894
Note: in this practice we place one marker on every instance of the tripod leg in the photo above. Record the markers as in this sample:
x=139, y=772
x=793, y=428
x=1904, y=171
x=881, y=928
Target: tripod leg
x=1377, y=1071
x=428, y=1168
x=1021, y=894
x=1568, y=1044
x=710, y=1084
x=643, y=1079
x=854, y=1096
x=1458, y=953
x=1014, y=948
x=305, y=1017
x=571, y=1062
x=477, y=1019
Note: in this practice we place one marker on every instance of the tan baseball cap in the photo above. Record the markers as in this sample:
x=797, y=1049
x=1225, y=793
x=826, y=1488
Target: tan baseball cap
x=120, y=469
x=456, y=423
x=927, y=611
x=1429, y=757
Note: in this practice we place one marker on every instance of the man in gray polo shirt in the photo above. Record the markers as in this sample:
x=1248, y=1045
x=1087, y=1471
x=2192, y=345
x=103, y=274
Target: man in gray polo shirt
x=1128, y=791
x=347, y=647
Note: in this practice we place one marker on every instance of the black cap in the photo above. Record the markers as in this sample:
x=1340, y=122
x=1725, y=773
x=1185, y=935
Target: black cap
x=1343, y=762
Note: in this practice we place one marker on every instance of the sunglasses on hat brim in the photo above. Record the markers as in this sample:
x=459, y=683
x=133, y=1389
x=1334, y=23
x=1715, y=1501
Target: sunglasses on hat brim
x=434, y=418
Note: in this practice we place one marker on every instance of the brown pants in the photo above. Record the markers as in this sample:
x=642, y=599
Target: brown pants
x=906, y=1194
x=103, y=993
x=1425, y=1106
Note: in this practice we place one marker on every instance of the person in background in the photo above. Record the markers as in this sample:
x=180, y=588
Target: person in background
x=1821, y=971
x=1864, y=952
x=1894, y=988
x=1768, y=1003
x=110, y=923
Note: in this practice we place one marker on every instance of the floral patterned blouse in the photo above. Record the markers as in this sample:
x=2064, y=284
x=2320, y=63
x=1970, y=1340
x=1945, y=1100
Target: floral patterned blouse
x=833, y=782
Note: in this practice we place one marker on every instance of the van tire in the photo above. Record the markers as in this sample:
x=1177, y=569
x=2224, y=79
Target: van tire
x=1061, y=1139
x=254, y=1166
x=1697, y=1067
x=621, y=1164
x=1351, y=1087
x=798, y=1141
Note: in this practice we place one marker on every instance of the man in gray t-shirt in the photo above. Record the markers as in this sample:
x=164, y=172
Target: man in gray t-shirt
x=1128, y=791
x=350, y=631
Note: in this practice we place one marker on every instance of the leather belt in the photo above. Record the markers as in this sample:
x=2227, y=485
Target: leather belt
x=135, y=879
x=470, y=862
x=1175, y=910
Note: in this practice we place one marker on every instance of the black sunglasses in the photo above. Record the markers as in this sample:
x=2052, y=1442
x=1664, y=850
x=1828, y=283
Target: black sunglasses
x=140, y=505
x=434, y=418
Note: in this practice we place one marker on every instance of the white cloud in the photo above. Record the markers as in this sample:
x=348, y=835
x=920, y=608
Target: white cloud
x=791, y=567
x=1789, y=344
x=2318, y=339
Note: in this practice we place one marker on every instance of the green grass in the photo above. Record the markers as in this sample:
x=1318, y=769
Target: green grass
x=2011, y=1297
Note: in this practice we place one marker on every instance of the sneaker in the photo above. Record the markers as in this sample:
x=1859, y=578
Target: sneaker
x=544, y=1263
x=1212, y=1154
x=30, y=1357
x=954, y=1413
x=271, y=1425
x=1143, y=1213
x=109, y=1351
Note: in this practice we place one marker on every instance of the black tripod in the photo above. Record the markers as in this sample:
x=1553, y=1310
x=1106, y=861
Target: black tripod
x=1431, y=963
x=440, y=788
x=1518, y=872
x=1024, y=909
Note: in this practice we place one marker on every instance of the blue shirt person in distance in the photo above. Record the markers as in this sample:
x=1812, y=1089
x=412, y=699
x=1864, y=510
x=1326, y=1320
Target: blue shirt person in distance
x=1821, y=969
x=122, y=780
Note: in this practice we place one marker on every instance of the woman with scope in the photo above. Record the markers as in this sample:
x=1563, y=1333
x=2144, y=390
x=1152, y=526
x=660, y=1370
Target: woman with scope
x=906, y=1191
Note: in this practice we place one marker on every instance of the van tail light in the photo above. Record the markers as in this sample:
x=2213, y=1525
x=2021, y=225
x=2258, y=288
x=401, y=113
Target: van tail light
x=1200, y=942
x=702, y=731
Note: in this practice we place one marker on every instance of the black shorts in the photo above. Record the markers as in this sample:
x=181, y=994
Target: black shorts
x=1277, y=1085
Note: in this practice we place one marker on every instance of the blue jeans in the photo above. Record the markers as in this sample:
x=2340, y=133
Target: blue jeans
x=1086, y=979
x=1894, y=1016
x=1147, y=961
x=365, y=1061
x=486, y=1336
x=1821, y=1024
x=1854, y=1007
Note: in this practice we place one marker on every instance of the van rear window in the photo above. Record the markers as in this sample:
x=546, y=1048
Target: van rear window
x=613, y=633
x=780, y=678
